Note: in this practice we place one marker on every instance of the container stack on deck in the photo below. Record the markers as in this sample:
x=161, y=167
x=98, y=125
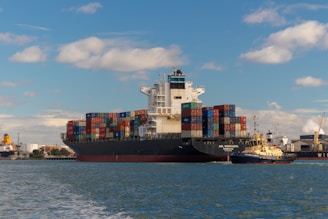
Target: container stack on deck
x=106, y=125
x=210, y=122
x=191, y=120
x=230, y=124
x=196, y=121
x=75, y=130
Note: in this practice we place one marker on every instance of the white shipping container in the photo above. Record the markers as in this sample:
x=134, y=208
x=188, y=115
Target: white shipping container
x=225, y=120
x=243, y=133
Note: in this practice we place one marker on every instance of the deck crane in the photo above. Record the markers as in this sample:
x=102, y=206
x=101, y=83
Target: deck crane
x=316, y=143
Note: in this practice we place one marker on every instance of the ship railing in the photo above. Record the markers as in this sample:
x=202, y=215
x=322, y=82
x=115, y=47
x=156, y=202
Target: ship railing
x=133, y=138
x=244, y=139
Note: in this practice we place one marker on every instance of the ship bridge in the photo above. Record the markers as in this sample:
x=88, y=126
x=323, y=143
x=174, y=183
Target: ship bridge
x=165, y=99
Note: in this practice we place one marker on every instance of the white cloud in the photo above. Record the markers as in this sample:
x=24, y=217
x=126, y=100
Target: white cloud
x=9, y=38
x=138, y=75
x=274, y=105
x=321, y=101
x=307, y=6
x=278, y=121
x=8, y=84
x=212, y=66
x=279, y=47
x=29, y=94
x=268, y=55
x=7, y=101
x=307, y=34
x=30, y=54
x=275, y=14
x=265, y=16
x=117, y=55
x=90, y=8
x=28, y=26
x=310, y=82
x=310, y=127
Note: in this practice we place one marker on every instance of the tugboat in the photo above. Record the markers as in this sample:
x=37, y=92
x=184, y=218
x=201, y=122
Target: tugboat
x=6, y=148
x=261, y=151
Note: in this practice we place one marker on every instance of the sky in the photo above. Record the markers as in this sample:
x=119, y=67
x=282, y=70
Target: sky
x=62, y=59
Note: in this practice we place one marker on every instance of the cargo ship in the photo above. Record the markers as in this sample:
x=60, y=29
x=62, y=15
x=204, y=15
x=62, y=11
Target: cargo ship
x=175, y=127
x=6, y=148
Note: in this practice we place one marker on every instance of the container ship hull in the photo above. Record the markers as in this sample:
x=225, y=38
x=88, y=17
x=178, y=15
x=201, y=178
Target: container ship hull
x=156, y=150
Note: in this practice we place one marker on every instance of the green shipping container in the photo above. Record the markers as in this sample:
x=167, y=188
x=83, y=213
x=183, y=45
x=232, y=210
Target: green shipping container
x=191, y=105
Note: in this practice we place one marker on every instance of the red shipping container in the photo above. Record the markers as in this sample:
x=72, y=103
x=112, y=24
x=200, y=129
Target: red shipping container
x=216, y=112
x=102, y=130
x=191, y=126
x=191, y=112
x=243, y=119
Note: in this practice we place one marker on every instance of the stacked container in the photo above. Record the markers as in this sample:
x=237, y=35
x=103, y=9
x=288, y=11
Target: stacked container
x=191, y=120
x=230, y=125
x=106, y=125
x=75, y=130
x=210, y=122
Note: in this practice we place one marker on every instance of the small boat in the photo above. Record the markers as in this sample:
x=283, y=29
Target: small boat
x=6, y=148
x=261, y=152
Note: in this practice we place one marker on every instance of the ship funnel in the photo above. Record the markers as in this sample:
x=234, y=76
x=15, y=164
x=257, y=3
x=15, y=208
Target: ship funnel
x=269, y=137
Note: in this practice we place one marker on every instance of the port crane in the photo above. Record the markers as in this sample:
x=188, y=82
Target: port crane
x=317, y=146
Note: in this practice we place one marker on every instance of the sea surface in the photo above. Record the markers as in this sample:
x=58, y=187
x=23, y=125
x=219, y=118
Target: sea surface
x=71, y=189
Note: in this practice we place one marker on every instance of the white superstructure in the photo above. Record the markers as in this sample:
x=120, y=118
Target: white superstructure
x=164, y=104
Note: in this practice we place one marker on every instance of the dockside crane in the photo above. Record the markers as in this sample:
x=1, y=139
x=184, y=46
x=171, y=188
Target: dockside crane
x=317, y=146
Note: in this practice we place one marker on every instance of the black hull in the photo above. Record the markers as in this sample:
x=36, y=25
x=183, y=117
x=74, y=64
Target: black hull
x=157, y=150
x=6, y=154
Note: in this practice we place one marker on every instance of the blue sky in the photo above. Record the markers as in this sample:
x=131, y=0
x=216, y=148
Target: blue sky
x=61, y=59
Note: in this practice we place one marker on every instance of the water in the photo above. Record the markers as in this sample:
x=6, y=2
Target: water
x=70, y=189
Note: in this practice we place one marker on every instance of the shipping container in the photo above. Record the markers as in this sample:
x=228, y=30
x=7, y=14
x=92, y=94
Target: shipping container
x=191, y=105
x=191, y=119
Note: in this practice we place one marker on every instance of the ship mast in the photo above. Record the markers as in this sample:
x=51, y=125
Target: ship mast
x=255, y=118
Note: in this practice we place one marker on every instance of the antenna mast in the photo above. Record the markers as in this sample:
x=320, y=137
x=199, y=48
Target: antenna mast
x=254, y=118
